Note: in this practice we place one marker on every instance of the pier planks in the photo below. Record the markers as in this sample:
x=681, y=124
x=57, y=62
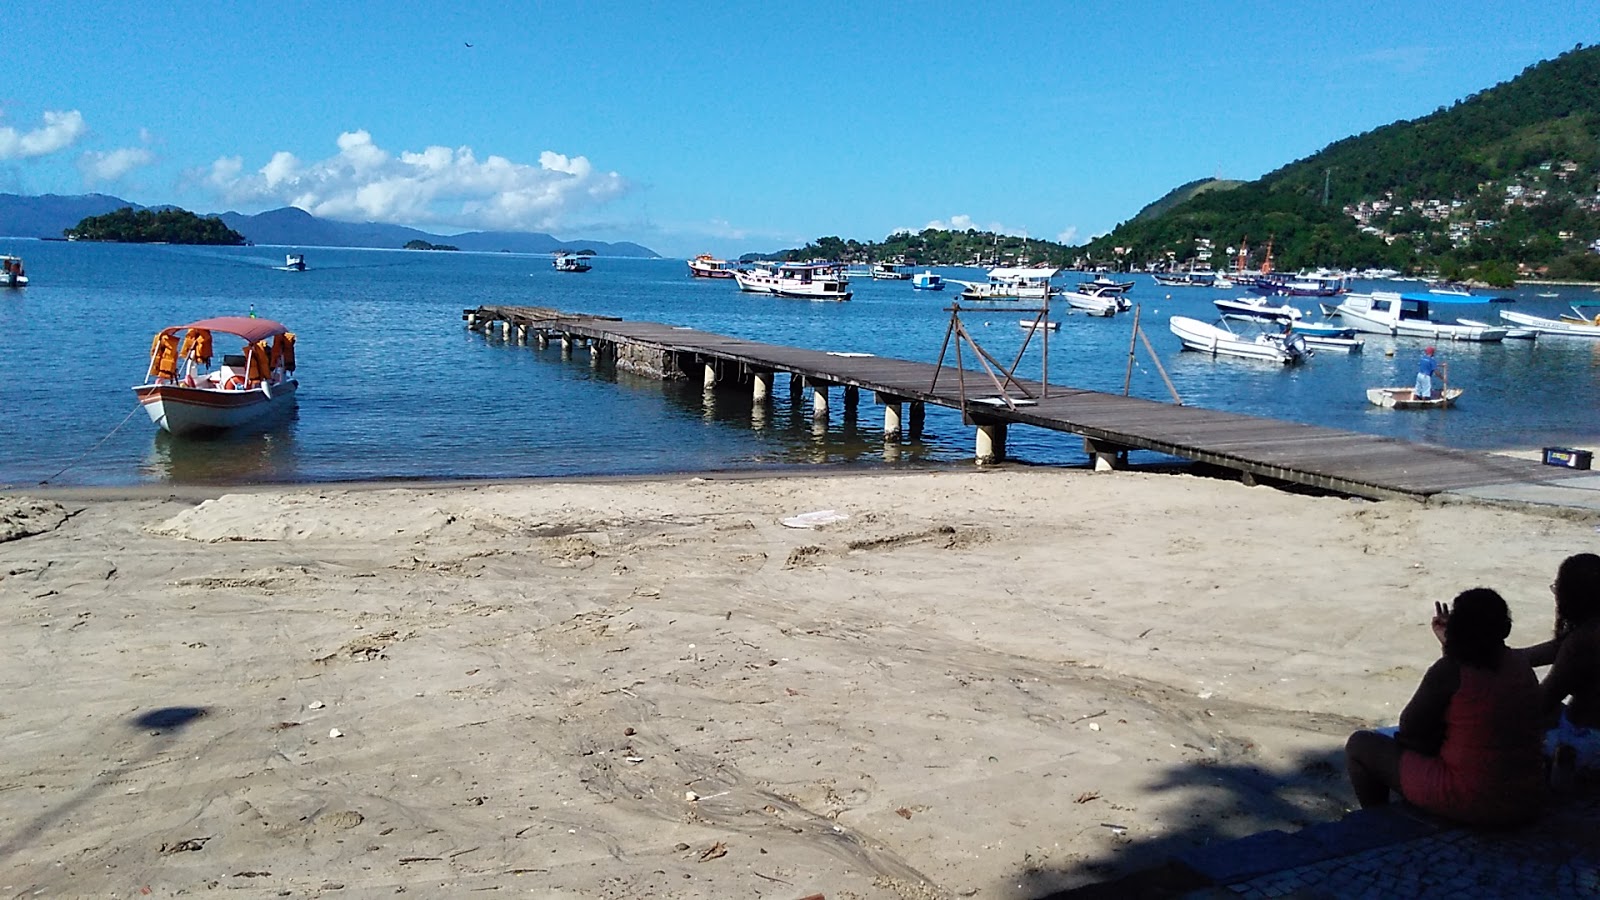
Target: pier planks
x=1342, y=461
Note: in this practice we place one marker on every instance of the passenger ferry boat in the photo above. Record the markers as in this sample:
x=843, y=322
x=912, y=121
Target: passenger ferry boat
x=1010, y=284
x=707, y=266
x=889, y=272
x=803, y=281
x=571, y=262
x=11, y=274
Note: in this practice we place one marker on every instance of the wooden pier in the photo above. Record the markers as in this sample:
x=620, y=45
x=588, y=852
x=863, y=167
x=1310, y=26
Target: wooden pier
x=1345, y=462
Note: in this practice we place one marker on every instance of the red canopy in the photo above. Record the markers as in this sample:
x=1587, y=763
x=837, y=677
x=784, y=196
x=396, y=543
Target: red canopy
x=251, y=330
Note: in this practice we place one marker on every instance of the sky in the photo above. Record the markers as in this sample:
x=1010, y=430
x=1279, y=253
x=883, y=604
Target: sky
x=724, y=127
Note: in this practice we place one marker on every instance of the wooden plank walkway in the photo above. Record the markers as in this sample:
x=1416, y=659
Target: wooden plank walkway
x=1346, y=462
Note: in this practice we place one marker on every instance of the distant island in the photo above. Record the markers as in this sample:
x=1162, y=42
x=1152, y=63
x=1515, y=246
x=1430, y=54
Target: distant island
x=145, y=226
x=424, y=245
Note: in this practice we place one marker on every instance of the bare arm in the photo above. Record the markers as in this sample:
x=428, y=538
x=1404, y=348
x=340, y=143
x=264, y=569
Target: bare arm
x=1542, y=654
x=1422, y=721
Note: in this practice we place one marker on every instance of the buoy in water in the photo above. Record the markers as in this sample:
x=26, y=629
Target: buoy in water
x=1389, y=352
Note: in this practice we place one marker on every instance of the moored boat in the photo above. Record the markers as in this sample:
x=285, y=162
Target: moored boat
x=571, y=262
x=11, y=274
x=1102, y=283
x=802, y=281
x=1259, y=308
x=1010, y=284
x=245, y=390
x=1036, y=325
x=1208, y=338
x=707, y=266
x=1096, y=304
x=1405, y=398
x=889, y=272
x=927, y=281
x=1408, y=315
x=1449, y=289
x=1512, y=334
x=1579, y=323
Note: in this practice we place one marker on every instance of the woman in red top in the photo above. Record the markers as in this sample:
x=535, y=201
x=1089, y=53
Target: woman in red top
x=1469, y=740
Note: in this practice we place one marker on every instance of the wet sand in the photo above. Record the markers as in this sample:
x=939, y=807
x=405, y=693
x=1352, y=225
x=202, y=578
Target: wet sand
x=978, y=684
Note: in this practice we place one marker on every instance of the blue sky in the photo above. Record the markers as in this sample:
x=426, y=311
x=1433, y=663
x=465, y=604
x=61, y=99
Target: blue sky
x=723, y=127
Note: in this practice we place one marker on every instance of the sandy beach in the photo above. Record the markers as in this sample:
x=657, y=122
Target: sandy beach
x=985, y=684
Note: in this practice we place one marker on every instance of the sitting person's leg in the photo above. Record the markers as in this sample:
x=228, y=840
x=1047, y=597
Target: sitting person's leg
x=1373, y=761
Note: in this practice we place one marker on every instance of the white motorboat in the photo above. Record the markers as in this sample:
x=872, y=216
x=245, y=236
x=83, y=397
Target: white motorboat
x=1208, y=338
x=1036, y=325
x=1449, y=289
x=1258, y=308
x=294, y=262
x=1347, y=345
x=1579, y=324
x=889, y=272
x=1010, y=284
x=571, y=262
x=1407, y=315
x=11, y=274
x=1098, y=304
x=244, y=391
x=803, y=281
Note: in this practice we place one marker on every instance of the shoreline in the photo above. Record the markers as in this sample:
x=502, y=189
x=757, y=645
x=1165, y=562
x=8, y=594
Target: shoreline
x=555, y=686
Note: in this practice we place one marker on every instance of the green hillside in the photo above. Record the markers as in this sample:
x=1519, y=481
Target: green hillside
x=1504, y=181
x=1182, y=193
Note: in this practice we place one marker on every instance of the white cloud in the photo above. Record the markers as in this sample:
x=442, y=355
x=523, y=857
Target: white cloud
x=963, y=222
x=1070, y=236
x=101, y=166
x=434, y=186
x=59, y=131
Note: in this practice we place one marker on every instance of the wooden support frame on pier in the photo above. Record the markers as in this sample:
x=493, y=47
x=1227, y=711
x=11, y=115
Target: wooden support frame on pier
x=1006, y=375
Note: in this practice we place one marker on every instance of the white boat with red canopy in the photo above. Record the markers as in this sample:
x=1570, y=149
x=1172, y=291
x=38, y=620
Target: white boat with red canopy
x=244, y=390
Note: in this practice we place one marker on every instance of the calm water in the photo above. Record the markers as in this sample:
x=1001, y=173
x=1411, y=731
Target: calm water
x=393, y=386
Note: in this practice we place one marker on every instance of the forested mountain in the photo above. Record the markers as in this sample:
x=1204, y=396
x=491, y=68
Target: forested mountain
x=1504, y=181
x=932, y=247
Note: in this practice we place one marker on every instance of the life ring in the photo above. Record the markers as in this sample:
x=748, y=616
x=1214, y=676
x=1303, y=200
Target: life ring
x=236, y=383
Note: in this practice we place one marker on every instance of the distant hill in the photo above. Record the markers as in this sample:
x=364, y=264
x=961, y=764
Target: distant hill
x=48, y=215
x=1506, y=180
x=1182, y=193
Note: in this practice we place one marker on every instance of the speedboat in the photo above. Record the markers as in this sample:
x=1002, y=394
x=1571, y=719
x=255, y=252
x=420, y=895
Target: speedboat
x=294, y=262
x=1207, y=338
x=1405, y=398
x=888, y=272
x=244, y=390
x=927, y=281
x=1010, y=284
x=1584, y=322
x=11, y=274
x=802, y=281
x=1103, y=304
x=571, y=262
x=1449, y=289
x=707, y=266
x=1407, y=315
x=1327, y=336
x=1258, y=308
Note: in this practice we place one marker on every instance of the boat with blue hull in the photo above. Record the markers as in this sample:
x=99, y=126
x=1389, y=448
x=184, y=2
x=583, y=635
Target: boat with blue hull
x=927, y=281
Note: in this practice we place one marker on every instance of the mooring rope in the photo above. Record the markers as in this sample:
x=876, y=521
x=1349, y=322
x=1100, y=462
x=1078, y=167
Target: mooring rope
x=96, y=446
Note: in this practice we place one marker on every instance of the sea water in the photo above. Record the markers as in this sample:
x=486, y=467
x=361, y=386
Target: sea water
x=393, y=386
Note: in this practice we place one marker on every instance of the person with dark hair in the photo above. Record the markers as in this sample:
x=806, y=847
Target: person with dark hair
x=1468, y=743
x=1573, y=655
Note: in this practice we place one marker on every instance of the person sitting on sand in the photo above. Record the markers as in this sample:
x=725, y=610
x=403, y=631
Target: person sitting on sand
x=1468, y=744
x=1574, y=659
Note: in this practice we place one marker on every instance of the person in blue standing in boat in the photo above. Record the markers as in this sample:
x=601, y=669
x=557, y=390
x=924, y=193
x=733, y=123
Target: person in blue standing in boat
x=1425, y=369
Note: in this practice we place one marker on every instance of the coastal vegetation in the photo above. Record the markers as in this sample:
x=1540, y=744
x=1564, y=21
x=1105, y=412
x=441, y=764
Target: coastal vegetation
x=147, y=226
x=424, y=245
x=1501, y=185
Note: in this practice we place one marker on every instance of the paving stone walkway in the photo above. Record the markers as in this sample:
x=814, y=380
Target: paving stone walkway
x=1396, y=851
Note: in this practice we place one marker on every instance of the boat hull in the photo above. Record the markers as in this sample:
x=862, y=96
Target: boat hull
x=1542, y=325
x=1402, y=398
x=1206, y=338
x=183, y=410
x=1380, y=318
x=1093, y=304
